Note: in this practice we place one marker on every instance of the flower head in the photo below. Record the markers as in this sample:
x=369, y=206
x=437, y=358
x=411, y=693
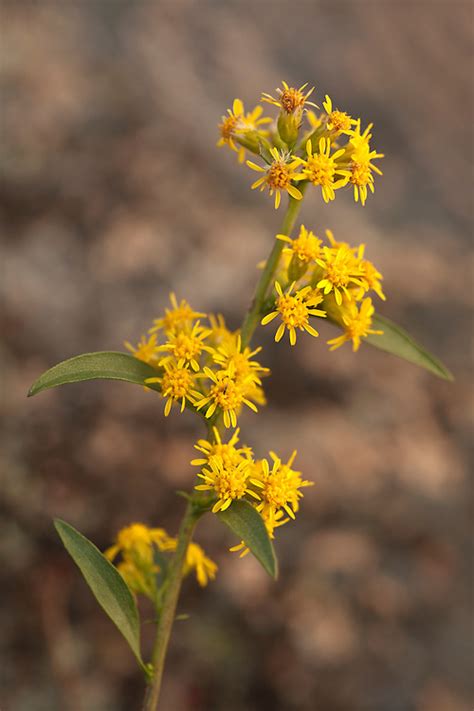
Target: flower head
x=237, y=124
x=362, y=166
x=357, y=324
x=337, y=121
x=341, y=271
x=322, y=169
x=138, y=545
x=278, y=176
x=197, y=560
x=229, y=481
x=177, y=385
x=230, y=355
x=227, y=394
x=370, y=276
x=186, y=346
x=294, y=311
x=229, y=453
x=146, y=350
x=278, y=487
x=178, y=317
x=306, y=247
x=229, y=124
x=290, y=99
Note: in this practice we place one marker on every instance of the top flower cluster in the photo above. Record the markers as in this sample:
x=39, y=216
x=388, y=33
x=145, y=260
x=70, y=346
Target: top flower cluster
x=330, y=152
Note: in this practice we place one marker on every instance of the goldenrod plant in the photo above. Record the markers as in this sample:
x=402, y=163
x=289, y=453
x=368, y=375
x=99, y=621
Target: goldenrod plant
x=191, y=360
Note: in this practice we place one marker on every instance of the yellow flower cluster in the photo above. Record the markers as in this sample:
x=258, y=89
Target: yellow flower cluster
x=142, y=562
x=201, y=365
x=232, y=473
x=330, y=152
x=334, y=276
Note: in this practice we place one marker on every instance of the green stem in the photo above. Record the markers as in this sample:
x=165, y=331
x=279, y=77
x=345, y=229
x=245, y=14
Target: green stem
x=168, y=607
x=253, y=315
x=175, y=572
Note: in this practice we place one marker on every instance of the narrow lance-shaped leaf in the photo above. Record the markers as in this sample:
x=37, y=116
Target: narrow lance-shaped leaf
x=107, y=585
x=109, y=365
x=248, y=525
x=397, y=341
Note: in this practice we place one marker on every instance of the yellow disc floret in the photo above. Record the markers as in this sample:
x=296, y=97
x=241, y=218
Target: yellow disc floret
x=278, y=487
x=357, y=324
x=294, y=311
x=186, y=346
x=177, y=385
x=278, y=176
x=228, y=481
x=231, y=455
x=289, y=98
x=146, y=349
x=322, y=168
x=180, y=316
x=338, y=121
x=306, y=247
x=226, y=394
x=341, y=270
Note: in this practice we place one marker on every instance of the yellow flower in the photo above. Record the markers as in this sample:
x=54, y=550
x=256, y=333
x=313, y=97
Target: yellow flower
x=138, y=568
x=137, y=544
x=361, y=165
x=220, y=334
x=229, y=453
x=338, y=121
x=229, y=124
x=146, y=350
x=230, y=355
x=306, y=247
x=278, y=176
x=290, y=99
x=139, y=539
x=357, y=324
x=237, y=122
x=294, y=311
x=370, y=276
x=197, y=560
x=186, y=346
x=229, y=481
x=227, y=394
x=322, y=168
x=177, y=384
x=278, y=487
x=179, y=317
x=341, y=271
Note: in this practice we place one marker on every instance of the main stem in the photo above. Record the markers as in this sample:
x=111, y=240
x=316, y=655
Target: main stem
x=253, y=315
x=168, y=609
x=175, y=574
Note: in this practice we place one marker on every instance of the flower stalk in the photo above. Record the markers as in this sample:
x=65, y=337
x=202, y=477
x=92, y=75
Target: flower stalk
x=168, y=606
x=253, y=315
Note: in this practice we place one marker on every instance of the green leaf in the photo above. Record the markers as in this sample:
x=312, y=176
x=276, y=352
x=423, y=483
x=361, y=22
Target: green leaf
x=248, y=525
x=398, y=342
x=109, y=365
x=107, y=585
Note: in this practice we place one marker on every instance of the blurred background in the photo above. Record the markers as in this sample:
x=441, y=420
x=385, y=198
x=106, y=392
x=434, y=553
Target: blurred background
x=113, y=194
